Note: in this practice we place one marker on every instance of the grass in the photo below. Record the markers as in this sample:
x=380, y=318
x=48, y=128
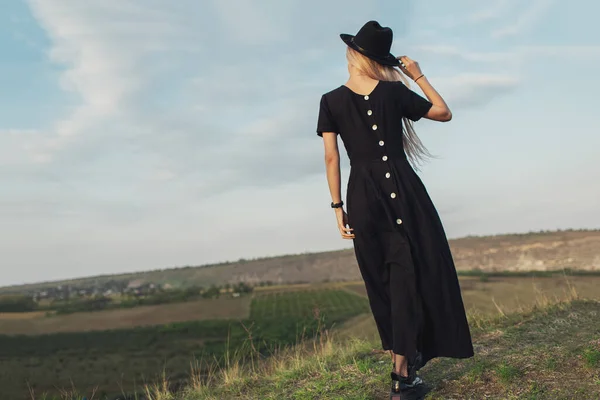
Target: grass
x=550, y=351
x=521, y=352
x=126, y=360
x=513, y=293
x=127, y=318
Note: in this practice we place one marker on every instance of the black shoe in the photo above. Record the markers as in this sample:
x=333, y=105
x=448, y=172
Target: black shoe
x=404, y=387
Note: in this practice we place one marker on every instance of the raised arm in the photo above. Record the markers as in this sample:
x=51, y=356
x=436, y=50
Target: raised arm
x=440, y=110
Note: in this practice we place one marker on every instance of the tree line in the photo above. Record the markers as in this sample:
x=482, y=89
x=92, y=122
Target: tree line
x=24, y=303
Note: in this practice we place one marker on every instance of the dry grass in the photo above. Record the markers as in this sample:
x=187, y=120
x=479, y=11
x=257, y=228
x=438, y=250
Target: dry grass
x=512, y=362
x=523, y=355
x=227, y=308
x=22, y=315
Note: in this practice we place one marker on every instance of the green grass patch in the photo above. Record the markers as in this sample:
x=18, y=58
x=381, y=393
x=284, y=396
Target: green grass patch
x=591, y=357
x=508, y=373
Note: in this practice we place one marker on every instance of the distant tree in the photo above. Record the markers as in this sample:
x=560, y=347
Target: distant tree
x=212, y=292
x=17, y=303
x=242, y=287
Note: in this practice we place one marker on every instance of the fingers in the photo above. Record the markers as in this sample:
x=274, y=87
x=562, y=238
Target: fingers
x=406, y=62
x=402, y=61
x=346, y=232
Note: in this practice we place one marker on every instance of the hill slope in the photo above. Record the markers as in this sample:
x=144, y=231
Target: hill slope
x=550, y=353
x=575, y=249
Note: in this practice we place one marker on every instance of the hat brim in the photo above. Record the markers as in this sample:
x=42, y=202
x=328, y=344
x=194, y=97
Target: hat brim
x=390, y=59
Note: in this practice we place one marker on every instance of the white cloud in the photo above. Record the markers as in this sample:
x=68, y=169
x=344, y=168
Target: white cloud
x=475, y=90
x=526, y=18
x=579, y=52
x=189, y=114
x=465, y=54
x=491, y=11
x=105, y=47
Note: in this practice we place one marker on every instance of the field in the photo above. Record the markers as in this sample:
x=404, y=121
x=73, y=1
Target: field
x=306, y=304
x=62, y=350
x=125, y=359
x=549, y=353
x=36, y=323
x=511, y=293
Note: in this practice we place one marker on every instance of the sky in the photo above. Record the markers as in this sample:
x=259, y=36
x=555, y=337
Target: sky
x=145, y=134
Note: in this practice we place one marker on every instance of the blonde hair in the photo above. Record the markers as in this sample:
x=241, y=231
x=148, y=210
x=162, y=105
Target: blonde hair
x=415, y=151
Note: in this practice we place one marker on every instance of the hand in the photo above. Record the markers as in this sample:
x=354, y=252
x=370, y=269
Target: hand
x=342, y=220
x=410, y=67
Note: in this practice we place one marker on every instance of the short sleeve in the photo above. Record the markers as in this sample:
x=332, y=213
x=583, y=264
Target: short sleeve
x=325, y=122
x=413, y=105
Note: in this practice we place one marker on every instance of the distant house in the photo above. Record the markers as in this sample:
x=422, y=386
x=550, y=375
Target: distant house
x=135, y=284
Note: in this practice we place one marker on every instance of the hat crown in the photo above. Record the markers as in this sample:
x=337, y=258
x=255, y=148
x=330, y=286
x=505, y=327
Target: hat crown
x=374, y=38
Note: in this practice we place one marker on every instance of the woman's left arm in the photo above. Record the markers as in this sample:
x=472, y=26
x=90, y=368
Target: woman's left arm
x=332, y=165
x=439, y=110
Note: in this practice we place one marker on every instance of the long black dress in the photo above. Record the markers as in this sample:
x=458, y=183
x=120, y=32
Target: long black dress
x=400, y=244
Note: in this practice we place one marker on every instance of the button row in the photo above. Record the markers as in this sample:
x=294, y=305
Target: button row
x=384, y=158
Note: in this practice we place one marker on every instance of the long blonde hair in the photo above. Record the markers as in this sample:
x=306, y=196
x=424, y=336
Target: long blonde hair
x=415, y=151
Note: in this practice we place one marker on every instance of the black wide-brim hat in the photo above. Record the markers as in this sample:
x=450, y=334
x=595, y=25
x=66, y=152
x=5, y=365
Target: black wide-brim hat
x=373, y=41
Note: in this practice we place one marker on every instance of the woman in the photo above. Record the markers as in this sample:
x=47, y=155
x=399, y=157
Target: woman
x=399, y=241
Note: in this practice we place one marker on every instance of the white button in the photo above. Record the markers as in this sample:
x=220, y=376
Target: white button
x=387, y=175
x=369, y=112
x=366, y=97
x=393, y=195
x=381, y=142
x=398, y=221
x=374, y=127
x=384, y=158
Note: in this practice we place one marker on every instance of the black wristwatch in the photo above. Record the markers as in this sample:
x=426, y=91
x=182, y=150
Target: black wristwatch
x=337, y=205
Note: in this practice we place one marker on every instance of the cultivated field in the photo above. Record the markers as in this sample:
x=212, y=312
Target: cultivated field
x=122, y=360
x=507, y=293
x=37, y=323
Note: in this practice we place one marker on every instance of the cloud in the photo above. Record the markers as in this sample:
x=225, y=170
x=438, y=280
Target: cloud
x=188, y=121
x=465, y=54
x=475, y=90
x=490, y=12
x=525, y=19
x=579, y=52
x=107, y=51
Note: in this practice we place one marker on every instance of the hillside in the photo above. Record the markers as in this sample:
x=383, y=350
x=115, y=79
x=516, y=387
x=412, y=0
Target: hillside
x=575, y=249
x=548, y=353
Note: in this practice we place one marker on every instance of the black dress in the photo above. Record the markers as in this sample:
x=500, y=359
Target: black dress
x=400, y=244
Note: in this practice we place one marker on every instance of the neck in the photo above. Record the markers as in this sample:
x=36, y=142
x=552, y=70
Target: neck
x=355, y=73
